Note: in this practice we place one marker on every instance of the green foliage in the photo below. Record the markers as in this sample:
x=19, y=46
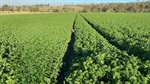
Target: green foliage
x=32, y=47
x=129, y=32
x=96, y=61
x=108, y=48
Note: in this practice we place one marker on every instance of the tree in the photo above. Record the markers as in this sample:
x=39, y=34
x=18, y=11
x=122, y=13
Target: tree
x=104, y=9
x=11, y=9
x=5, y=7
x=18, y=8
x=55, y=10
x=131, y=9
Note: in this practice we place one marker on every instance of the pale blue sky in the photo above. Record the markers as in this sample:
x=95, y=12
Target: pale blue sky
x=30, y=2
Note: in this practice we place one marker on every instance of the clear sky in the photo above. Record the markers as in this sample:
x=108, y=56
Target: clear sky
x=52, y=2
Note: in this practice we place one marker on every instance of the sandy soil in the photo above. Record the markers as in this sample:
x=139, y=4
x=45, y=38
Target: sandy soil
x=21, y=12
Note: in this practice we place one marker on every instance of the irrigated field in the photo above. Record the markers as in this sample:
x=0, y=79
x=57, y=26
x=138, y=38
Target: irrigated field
x=69, y=48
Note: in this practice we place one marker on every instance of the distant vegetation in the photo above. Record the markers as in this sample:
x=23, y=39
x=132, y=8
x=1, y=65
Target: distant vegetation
x=102, y=7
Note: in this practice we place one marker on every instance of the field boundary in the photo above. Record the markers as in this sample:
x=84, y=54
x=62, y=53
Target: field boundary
x=2, y=13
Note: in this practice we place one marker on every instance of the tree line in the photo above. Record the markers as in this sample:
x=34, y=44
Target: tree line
x=101, y=7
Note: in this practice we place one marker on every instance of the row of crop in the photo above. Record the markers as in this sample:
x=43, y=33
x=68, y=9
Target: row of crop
x=96, y=61
x=32, y=47
x=129, y=32
x=10, y=52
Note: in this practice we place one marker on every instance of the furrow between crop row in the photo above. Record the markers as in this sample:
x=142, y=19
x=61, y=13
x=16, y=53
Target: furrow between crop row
x=97, y=61
x=67, y=58
x=105, y=36
x=128, y=37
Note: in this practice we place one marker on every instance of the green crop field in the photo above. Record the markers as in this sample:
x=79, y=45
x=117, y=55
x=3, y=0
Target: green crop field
x=70, y=48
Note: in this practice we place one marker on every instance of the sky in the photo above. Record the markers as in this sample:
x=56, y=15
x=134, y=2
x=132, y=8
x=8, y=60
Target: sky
x=57, y=2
